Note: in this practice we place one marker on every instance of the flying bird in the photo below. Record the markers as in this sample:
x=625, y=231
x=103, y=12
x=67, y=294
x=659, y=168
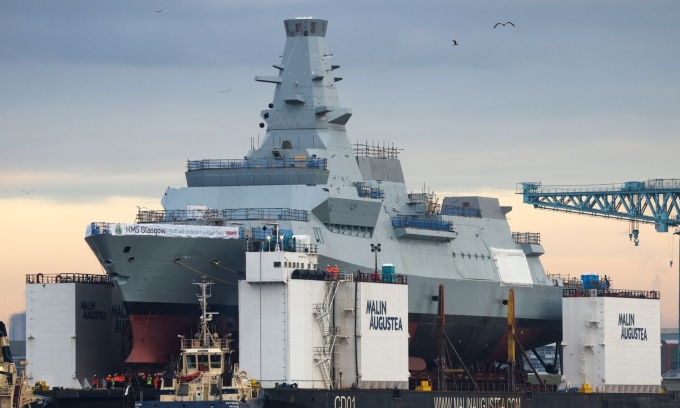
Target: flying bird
x=323, y=57
x=504, y=24
x=160, y=11
x=455, y=43
x=226, y=90
x=24, y=191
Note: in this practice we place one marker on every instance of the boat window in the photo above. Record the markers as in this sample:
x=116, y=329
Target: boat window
x=191, y=362
x=298, y=27
x=313, y=27
x=277, y=264
x=202, y=362
x=216, y=361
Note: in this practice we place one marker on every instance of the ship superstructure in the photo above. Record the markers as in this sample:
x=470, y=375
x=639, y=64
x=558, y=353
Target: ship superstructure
x=14, y=389
x=307, y=179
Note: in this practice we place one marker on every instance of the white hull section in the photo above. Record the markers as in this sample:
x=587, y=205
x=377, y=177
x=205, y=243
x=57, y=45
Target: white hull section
x=612, y=342
x=321, y=333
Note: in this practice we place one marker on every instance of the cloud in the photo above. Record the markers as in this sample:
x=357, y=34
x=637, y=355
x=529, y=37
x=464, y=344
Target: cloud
x=104, y=102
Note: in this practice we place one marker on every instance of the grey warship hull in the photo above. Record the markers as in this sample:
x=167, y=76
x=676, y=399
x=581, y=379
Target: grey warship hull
x=307, y=180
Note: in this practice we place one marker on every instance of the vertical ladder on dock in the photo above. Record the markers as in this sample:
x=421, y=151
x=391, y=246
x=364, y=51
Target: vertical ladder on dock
x=323, y=354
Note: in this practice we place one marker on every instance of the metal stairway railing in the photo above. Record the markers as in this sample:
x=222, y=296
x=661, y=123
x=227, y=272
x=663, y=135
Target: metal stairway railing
x=323, y=354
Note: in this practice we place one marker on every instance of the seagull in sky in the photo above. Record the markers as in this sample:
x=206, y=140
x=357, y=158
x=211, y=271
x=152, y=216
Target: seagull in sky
x=504, y=24
x=24, y=191
x=226, y=90
x=455, y=43
x=160, y=11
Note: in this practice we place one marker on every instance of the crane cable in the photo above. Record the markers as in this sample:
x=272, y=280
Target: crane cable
x=670, y=249
x=671, y=245
x=179, y=262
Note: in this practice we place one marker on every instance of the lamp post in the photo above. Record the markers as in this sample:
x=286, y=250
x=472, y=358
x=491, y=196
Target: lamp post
x=375, y=248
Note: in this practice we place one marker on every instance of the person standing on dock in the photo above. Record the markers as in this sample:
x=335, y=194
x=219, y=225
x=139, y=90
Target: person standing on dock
x=129, y=396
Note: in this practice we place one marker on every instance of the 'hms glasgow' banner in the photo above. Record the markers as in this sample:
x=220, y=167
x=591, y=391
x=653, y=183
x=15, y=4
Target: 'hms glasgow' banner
x=172, y=230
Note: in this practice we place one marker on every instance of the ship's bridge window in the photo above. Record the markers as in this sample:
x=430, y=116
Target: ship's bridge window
x=191, y=362
x=277, y=264
x=216, y=361
x=203, y=362
x=312, y=29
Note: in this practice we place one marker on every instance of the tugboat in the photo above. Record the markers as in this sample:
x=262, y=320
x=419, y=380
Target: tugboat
x=204, y=374
x=14, y=390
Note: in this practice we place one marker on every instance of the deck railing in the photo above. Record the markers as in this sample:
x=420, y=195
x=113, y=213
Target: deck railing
x=621, y=293
x=233, y=164
x=41, y=278
x=230, y=214
x=527, y=237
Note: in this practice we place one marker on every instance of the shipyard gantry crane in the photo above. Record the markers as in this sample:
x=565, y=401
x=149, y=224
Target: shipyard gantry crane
x=655, y=201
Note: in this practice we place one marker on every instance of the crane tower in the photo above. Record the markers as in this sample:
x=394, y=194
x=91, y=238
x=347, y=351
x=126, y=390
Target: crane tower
x=655, y=201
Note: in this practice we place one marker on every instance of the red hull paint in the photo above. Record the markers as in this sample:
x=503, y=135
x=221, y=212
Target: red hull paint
x=155, y=336
x=412, y=327
x=524, y=336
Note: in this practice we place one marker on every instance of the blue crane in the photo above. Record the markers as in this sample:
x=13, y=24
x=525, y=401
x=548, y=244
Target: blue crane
x=655, y=201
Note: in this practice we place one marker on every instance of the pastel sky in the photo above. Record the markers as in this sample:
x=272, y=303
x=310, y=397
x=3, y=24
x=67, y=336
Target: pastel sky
x=102, y=103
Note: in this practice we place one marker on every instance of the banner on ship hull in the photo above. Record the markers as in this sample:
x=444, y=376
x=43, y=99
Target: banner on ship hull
x=171, y=230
